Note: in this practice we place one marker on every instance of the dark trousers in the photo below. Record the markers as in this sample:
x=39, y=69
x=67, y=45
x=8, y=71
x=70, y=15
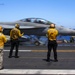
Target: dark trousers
x=14, y=43
x=52, y=45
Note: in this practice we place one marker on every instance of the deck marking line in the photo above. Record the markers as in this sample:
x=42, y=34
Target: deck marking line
x=19, y=50
x=52, y=50
x=37, y=71
x=41, y=50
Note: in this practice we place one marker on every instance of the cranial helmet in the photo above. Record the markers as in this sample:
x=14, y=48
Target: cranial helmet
x=52, y=25
x=17, y=25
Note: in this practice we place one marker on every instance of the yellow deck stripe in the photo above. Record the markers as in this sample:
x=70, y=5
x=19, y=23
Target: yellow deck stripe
x=70, y=58
x=52, y=50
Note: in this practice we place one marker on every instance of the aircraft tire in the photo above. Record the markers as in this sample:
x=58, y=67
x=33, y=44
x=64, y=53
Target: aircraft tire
x=37, y=43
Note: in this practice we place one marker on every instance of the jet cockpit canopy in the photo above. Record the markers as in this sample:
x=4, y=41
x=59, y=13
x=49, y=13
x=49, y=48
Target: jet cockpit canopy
x=36, y=20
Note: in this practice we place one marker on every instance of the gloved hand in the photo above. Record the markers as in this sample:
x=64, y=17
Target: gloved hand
x=22, y=33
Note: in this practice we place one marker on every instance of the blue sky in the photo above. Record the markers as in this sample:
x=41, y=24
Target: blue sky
x=61, y=12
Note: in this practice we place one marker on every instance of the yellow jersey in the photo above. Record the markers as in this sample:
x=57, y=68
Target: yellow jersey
x=52, y=34
x=2, y=40
x=15, y=33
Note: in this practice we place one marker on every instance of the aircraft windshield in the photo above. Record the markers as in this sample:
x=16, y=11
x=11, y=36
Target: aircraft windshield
x=36, y=20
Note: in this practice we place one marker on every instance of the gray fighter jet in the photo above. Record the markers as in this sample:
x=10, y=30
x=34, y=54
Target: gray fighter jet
x=34, y=26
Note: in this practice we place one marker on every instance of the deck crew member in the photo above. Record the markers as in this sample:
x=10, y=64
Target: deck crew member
x=52, y=44
x=15, y=33
x=3, y=40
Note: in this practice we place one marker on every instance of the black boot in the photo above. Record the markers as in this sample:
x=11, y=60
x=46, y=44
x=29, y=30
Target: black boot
x=55, y=60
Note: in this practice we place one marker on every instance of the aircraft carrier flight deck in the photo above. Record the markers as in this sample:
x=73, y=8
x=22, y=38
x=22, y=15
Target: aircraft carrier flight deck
x=33, y=58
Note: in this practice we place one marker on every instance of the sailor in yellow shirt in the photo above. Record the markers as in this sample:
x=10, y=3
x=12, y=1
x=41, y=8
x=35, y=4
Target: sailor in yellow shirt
x=52, y=44
x=2, y=41
x=15, y=33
